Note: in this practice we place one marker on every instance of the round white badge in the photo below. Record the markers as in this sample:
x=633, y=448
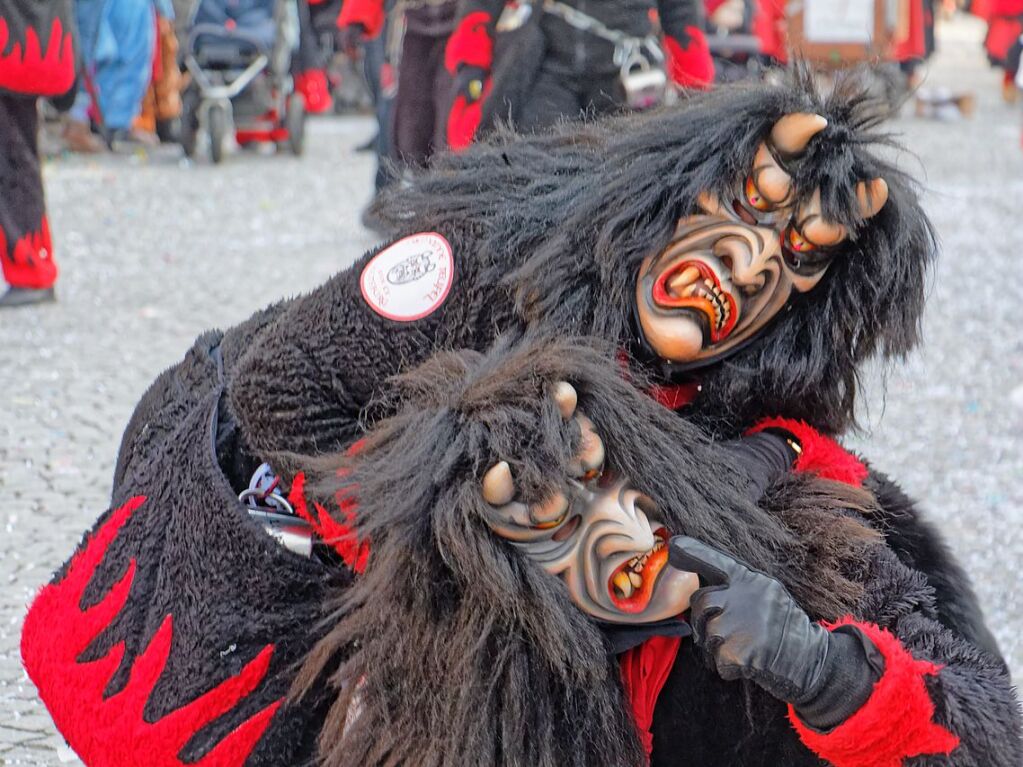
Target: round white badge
x=410, y=279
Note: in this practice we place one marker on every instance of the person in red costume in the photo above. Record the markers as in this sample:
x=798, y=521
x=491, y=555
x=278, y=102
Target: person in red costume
x=1005, y=25
x=540, y=62
x=37, y=58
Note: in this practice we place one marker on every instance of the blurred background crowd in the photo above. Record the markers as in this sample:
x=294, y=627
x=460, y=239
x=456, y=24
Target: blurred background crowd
x=216, y=74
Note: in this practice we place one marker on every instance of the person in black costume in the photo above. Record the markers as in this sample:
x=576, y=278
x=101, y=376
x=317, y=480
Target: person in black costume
x=420, y=104
x=559, y=59
x=736, y=260
x=37, y=58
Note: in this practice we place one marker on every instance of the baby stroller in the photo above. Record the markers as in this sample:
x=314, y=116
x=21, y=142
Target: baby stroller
x=239, y=55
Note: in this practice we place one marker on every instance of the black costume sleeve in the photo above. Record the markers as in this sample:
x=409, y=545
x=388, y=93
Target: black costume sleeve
x=307, y=377
x=914, y=540
x=921, y=547
x=678, y=16
x=940, y=701
x=688, y=56
x=493, y=8
x=172, y=634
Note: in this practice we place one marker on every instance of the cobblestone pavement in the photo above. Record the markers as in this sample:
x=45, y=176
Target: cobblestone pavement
x=155, y=251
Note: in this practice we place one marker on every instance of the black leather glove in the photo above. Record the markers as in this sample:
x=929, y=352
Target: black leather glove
x=753, y=629
x=350, y=39
x=766, y=457
x=469, y=82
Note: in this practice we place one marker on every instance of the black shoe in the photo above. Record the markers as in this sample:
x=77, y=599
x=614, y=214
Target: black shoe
x=130, y=140
x=27, y=297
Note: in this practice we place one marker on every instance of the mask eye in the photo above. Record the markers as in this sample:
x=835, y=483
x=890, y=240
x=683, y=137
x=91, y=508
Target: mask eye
x=754, y=198
x=801, y=254
x=551, y=525
x=744, y=215
x=795, y=242
x=554, y=522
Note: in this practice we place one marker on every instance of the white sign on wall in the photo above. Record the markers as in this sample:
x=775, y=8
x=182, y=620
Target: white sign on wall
x=838, y=21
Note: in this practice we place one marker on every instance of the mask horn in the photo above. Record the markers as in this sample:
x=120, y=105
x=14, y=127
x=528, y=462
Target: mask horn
x=498, y=488
x=566, y=397
x=792, y=133
x=872, y=196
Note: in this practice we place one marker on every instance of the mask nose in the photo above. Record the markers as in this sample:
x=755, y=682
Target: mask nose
x=746, y=258
x=631, y=534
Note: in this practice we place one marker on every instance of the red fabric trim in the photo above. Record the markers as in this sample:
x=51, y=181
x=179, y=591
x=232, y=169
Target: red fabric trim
x=29, y=263
x=821, y=454
x=675, y=397
x=368, y=13
x=313, y=86
x=1002, y=34
x=339, y=535
x=645, y=670
x=896, y=722
x=690, y=66
x=671, y=396
x=111, y=731
x=252, y=136
x=1004, y=8
x=470, y=43
x=464, y=119
x=769, y=27
x=913, y=45
x=981, y=8
x=34, y=72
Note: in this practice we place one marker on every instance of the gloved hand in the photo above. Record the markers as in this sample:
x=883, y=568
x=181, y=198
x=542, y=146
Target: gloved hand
x=350, y=38
x=754, y=630
x=765, y=456
x=471, y=86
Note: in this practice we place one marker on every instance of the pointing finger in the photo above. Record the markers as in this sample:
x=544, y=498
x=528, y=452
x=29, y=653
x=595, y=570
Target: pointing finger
x=714, y=567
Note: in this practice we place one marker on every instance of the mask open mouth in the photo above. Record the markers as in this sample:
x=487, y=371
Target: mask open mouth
x=632, y=584
x=694, y=285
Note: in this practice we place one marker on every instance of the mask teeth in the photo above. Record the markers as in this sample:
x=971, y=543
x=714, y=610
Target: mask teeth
x=630, y=580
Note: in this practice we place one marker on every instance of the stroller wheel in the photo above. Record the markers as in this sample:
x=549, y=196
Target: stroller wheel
x=218, y=132
x=294, y=121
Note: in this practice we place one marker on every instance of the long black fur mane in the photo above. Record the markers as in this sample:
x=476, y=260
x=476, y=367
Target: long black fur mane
x=453, y=648
x=563, y=219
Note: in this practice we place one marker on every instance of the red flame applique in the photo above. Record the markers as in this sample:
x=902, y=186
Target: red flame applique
x=112, y=731
x=340, y=536
x=29, y=264
x=32, y=71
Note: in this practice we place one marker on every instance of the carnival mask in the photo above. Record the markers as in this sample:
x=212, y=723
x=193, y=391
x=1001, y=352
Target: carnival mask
x=598, y=534
x=732, y=267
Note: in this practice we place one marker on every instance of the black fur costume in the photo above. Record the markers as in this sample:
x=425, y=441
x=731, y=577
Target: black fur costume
x=547, y=233
x=457, y=631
